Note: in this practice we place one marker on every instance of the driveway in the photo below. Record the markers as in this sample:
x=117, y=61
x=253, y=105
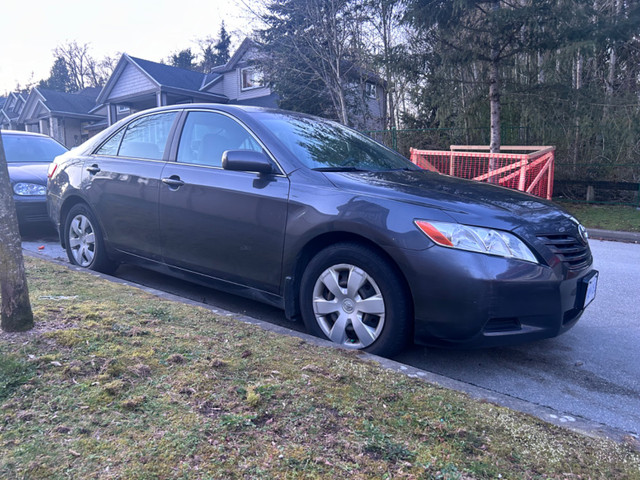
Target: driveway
x=591, y=372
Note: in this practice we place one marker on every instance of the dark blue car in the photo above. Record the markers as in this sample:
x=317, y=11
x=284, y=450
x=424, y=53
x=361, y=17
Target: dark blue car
x=28, y=158
x=305, y=214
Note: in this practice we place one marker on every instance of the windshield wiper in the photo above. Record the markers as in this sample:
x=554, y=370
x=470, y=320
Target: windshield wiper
x=338, y=169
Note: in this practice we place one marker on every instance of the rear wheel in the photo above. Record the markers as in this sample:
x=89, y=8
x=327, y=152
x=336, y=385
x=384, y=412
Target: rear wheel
x=84, y=241
x=352, y=296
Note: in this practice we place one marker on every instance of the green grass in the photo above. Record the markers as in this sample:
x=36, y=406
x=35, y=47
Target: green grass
x=606, y=217
x=116, y=383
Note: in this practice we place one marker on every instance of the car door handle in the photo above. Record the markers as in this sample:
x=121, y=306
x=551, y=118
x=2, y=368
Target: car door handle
x=93, y=169
x=173, y=181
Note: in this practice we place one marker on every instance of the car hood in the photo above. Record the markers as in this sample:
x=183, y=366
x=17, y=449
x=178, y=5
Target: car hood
x=466, y=201
x=28, y=172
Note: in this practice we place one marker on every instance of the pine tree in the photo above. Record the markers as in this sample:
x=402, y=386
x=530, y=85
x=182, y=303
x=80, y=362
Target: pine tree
x=59, y=78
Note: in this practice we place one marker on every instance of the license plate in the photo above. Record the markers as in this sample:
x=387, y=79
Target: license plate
x=592, y=285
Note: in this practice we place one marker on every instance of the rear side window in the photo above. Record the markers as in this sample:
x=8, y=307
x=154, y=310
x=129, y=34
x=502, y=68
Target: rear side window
x=145, y=137
x=207, y=135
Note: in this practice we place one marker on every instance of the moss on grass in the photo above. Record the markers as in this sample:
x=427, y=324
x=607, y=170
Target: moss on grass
x=165, y=390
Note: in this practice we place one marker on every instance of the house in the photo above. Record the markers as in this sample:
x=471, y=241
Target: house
x=10, y=111
x=63, y=116
x=138, y=84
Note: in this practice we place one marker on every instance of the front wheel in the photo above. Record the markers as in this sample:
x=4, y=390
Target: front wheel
x=84, y=241
x=352, y=296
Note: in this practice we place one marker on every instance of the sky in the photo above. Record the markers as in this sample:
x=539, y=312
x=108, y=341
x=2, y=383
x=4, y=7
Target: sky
x=152, y=29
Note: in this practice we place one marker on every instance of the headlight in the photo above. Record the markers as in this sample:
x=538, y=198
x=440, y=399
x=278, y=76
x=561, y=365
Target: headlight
x=29, y=189
x=476, y=239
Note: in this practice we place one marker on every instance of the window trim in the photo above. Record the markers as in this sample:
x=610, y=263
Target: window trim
x=180, y=127
x=367, y=90
x=128, y=121
x=253, y=69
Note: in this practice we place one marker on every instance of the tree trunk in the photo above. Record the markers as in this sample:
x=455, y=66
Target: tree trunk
x=494, y=99
x=16, y=314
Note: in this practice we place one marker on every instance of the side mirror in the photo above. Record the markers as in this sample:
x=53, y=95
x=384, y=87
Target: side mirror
x=246, y=161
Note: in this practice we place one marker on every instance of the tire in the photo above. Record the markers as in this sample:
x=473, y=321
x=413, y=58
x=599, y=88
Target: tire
x=84, y=241
x=353, y=297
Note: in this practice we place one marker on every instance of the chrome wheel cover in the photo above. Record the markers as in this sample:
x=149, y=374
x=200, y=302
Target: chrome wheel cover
x=348, y=306
x=82, y=240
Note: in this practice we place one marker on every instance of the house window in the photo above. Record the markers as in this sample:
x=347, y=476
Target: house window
x=371, y=90
x=251, y=78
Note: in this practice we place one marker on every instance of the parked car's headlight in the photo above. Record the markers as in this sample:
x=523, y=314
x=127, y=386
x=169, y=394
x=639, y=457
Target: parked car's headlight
x=29, y=189
x=476, y=239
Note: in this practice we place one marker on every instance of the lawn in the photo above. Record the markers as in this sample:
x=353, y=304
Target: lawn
x=117, y=383
x=606, y=217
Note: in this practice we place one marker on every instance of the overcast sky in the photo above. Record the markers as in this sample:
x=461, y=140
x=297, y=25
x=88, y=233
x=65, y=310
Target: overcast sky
x=151, y=29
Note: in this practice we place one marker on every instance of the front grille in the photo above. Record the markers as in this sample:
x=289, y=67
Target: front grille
x=571, y=251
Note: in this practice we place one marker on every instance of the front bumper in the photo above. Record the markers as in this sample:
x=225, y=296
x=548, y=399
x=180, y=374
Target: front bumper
x=31, y=210
x=473, y=300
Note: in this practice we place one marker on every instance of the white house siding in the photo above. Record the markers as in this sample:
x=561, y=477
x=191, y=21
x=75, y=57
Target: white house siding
x=217, y=88
x=253, y=93
x=131, y=81
x=231, y=83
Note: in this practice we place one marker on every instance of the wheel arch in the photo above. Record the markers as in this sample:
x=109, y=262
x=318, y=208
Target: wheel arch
x=66, y=206
x=320, y=242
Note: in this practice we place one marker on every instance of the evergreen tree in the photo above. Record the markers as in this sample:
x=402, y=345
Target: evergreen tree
x=59, y=78
x=491, y=32
x=221, y=48
x=183, y=59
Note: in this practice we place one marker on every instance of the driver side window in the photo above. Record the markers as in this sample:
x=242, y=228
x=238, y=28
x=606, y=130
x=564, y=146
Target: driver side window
x=207, y=135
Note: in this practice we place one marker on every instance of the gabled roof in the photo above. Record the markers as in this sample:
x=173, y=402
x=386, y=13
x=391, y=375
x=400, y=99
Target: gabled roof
x=168, y=76
x=244, y=47
x=210, y=79
x=76, y=105
x=218, y=72
x=79, y=103
x=164, y=77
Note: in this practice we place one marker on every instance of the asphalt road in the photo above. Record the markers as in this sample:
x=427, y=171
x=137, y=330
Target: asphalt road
x=592, y=372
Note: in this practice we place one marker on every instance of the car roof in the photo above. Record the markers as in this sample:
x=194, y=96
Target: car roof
x=25, y=134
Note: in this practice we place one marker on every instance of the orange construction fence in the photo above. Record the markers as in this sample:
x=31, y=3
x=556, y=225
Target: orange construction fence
x=528, y=172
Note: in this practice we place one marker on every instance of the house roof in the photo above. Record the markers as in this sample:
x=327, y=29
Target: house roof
x=164, y=77
x=168, y=76
x=79, y=103
x=218, y=72
x=246, y=44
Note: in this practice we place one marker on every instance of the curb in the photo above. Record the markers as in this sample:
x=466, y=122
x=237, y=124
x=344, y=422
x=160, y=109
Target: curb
x=574, y=423
x=615, y=236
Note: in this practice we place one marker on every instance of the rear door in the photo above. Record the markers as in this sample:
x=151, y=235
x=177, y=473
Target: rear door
x=123, y=178
x=225, y=224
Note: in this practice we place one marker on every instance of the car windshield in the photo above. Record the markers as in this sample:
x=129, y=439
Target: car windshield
x=27, y=148
x=328, y=146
